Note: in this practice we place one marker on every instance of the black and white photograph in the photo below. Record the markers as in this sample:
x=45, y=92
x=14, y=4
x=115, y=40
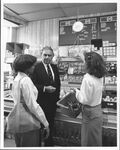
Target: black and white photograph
x=59, y=75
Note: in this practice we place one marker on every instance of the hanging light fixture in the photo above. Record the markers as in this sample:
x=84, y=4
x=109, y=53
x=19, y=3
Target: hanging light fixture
x=78, y=25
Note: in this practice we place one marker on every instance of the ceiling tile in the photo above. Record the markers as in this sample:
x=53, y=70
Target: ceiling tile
x=37, y=11
x=89, y=9
x=55, y=13
x=31, y=7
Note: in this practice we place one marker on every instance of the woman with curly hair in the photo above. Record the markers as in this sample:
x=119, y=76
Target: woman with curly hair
x=90, y=95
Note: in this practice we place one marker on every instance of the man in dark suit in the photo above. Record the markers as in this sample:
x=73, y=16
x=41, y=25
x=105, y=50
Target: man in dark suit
x=46, y=79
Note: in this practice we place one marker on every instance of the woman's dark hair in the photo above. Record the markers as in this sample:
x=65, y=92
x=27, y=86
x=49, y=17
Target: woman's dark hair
x=95, y=64
x=23, y=62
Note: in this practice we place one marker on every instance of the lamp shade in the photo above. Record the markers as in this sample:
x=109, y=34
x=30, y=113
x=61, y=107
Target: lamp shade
x=77, y=26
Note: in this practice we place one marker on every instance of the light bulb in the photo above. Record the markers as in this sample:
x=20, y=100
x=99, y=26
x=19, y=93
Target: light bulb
x=77, y=26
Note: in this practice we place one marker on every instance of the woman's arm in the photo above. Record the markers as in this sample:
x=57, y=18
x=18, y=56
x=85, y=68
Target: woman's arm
x=84, y=95
x=30, y=94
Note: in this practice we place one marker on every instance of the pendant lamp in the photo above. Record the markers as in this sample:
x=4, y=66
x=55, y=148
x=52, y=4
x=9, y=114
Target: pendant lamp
x=77, y=26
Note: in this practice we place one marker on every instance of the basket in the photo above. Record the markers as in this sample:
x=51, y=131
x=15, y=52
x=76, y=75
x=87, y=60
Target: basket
x=69, y=105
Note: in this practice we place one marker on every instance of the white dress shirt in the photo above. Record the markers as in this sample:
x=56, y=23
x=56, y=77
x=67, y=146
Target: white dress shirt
x=90, y=92
x=30, y=93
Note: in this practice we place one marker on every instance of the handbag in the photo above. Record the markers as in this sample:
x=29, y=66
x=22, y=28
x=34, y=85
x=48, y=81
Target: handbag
x=69, y=105
x=74, y=106
x=20, y=119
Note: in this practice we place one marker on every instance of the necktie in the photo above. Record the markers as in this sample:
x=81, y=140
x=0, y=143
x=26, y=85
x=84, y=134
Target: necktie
x=50, y=74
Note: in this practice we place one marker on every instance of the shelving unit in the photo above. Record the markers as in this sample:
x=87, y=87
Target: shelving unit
x=110, y=81
x=72, y=71
x=67, y=130
x=8, y=102
x=13, y=49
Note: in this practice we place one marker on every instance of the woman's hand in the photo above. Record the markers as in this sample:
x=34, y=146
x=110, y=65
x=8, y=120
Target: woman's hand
x=73, y=90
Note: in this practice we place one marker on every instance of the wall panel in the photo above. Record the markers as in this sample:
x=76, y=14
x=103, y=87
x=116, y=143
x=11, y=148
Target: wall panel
x=39, y=33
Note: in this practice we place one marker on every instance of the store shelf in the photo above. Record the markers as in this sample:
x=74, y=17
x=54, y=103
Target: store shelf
x=110, y=58
x=110, y=87
x=64, y=84
x=109, y=111
x=7, y=109
x=71, y=59
x=8, y=102
x=8, y=99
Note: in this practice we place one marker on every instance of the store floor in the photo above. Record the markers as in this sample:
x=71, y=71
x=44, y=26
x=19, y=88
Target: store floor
x=9, y=142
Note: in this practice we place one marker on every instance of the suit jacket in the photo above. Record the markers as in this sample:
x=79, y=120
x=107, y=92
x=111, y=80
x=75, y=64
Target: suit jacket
x=40, y=78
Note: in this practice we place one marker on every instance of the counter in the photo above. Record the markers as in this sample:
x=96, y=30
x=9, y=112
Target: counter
x=67, y=131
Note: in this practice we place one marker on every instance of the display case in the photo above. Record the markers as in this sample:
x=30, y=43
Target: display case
x=67, y=130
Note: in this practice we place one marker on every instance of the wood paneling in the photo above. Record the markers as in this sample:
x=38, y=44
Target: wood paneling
x=39, y=33
x=14, y=34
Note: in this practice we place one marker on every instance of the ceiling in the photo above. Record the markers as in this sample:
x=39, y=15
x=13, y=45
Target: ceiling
x=37, y=11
